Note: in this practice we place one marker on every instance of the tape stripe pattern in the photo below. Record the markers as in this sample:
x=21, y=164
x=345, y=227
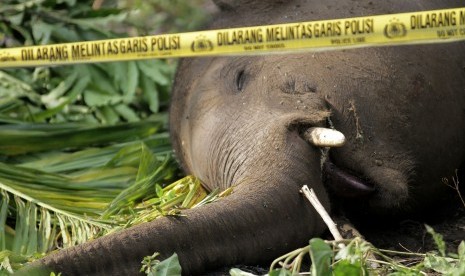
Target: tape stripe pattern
x=435, y=26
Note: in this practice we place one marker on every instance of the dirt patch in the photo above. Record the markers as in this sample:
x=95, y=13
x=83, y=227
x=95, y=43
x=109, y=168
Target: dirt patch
x=411, y=235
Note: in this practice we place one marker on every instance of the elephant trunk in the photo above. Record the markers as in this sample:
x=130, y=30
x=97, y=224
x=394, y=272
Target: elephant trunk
x=256, y=223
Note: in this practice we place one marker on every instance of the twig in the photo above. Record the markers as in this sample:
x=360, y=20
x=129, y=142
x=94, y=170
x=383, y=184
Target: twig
x=455, y=186
x=311, y=196
x=402, y=253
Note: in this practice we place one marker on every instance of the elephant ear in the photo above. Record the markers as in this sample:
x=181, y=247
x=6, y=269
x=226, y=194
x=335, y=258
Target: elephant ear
x=242, y=5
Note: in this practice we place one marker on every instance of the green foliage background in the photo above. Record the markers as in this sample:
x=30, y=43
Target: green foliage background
x=84, y=149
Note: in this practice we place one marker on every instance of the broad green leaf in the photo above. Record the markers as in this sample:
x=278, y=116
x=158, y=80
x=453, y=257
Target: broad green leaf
x=16, y=19
x=152, y=69
x=40, y=117
x=158, y=190
x=439, y=264
x=438, y=240
x=100, y=79
x=78, y=88
x=26, y=138
x=132, y=76
x=461, y=251
x=17, y=88
x=97, y=23
x=107, y=115
x=321, y=255
x=126, y=76
x=345, y=268
x=65, y=34
x=126, y=113
x=167, y=267
x=8, y=103
x=150, y=91
x=354, y=252
x=96, y=98
x=41, y=31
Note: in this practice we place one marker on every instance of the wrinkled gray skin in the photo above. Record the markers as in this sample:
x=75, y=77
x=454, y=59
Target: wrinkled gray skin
x=237, y=121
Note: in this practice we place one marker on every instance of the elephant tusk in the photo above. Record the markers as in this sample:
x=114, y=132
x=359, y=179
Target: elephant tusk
x=324, y=137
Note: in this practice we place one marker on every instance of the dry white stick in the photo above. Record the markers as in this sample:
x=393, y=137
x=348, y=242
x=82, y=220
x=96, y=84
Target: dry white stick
x=311, y=196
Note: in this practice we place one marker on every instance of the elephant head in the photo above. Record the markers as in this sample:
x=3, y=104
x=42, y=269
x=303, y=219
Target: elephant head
x=242, y=122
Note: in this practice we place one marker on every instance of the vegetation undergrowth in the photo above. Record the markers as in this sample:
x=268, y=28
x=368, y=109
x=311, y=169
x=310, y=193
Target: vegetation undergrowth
x=84, y=149
x=352, y=257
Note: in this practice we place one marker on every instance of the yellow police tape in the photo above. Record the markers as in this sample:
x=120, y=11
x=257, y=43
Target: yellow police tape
x=445, y=25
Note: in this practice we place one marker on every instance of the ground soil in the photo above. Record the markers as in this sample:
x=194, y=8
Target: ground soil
x=445, y=217
x=411, y=235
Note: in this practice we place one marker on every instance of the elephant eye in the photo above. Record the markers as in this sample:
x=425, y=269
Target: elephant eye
x=240, y=80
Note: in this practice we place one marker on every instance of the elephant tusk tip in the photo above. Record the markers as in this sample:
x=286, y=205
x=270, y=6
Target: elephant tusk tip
x=324, y=137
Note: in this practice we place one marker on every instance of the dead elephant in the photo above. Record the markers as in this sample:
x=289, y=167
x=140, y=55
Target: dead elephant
x=242, y=121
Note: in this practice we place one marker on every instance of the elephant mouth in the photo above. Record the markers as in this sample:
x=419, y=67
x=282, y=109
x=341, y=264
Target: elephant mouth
x=341, y=182
x=345, y=184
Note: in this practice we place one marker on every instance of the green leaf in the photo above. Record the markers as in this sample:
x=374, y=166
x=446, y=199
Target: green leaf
x=96, y=23
x=53, y=99
x=100, y=78
x=133, y=78
x=168, y=267
x=152, y=69
x=151, y=171
x=96, y=98
x=158, y=190
x=13, y=86
x=16, y=19
x=126, y=112
x=321, y=255
x=107, y=115
x=10, y=261
x=150, y=92
x=26, y=138
x=345, y=268
x=439, y=264
x=441, y=245
x=41, y=32
x=461, y=251
x=65, y=34
x=126, y=76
